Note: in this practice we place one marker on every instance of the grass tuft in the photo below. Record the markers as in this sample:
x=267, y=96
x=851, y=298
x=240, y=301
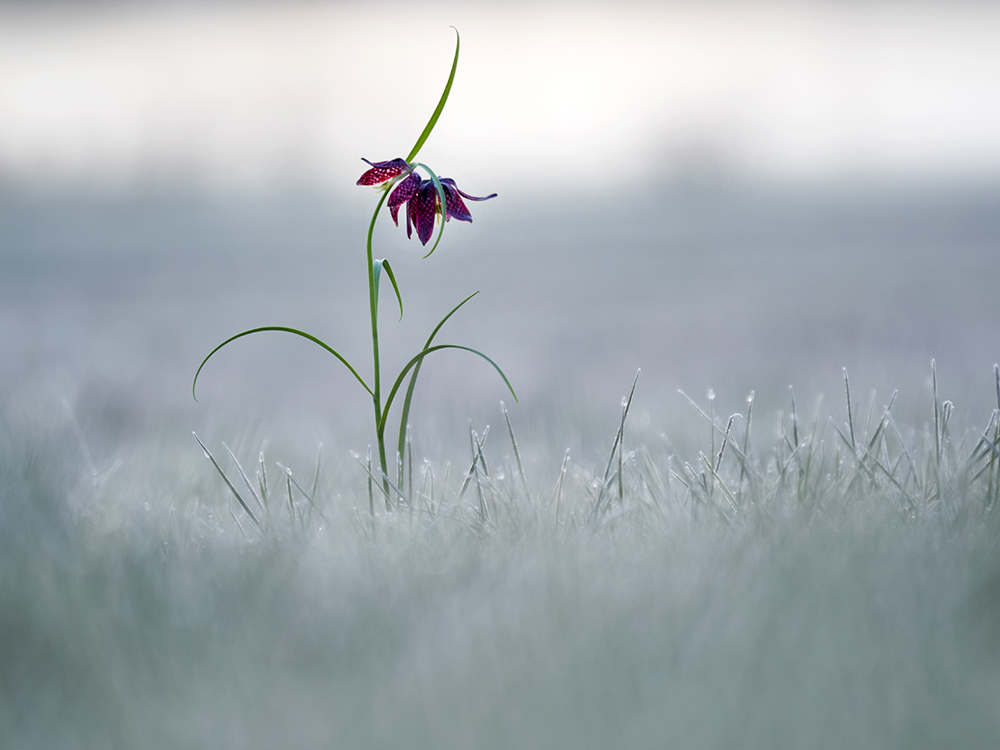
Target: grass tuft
x=807, y=587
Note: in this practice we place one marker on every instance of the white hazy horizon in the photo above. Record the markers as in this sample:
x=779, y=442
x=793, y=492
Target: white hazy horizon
x=572, y=97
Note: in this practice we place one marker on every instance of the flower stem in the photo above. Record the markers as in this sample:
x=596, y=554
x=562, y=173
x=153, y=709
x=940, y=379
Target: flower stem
x=376, y=382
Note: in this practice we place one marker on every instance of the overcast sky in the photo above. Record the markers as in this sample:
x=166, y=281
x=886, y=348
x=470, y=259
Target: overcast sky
x=569, y=96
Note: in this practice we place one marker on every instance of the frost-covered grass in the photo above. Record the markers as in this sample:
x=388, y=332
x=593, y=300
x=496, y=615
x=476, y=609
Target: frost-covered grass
x=812, y=589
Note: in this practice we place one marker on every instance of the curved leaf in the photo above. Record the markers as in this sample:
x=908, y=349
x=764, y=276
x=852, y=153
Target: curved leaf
x=440, y=107
x=405, y=416
x=419, y=358
x=395, y=286
x=303, y=334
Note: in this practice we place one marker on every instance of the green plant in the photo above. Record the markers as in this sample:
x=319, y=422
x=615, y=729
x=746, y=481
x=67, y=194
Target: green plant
x=426, y=200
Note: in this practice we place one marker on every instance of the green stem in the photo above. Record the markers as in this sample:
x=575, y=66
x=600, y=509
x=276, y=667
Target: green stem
x=380, y=416
x=376, y=382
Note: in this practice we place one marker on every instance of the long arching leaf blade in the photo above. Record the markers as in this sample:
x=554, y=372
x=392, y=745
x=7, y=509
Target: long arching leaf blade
x=282, y=329
x=405, y=415
x=419, y=358
x=440, y=107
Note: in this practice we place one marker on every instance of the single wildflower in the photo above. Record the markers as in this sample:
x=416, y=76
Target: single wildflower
x=420, y=196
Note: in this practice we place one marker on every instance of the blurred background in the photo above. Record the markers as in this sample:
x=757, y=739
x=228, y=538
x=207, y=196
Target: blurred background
x=728, y=195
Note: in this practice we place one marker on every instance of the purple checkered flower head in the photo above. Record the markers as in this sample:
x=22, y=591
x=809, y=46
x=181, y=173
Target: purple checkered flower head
x=419, y=195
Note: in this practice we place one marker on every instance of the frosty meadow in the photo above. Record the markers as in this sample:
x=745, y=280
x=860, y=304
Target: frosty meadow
x=766, y=568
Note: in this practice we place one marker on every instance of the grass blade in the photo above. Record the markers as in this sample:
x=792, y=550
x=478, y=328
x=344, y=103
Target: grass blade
x=517, y=455
x=615, y=446
x=228, y=483
x=476, y=453
x=559, y=484
x=246, y=480
x=850, y=416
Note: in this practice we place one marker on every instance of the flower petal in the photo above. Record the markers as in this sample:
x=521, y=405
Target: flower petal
x=453, y=202
x=404, y=191
x=422, y=209
x=472, y=197
x=383, y=171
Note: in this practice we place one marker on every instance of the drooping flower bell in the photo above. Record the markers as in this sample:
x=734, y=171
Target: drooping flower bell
x=420, y=196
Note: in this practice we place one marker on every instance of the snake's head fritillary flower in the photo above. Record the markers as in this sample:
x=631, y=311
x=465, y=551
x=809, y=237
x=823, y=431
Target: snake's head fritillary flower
x=419, y=195
x=424, y=206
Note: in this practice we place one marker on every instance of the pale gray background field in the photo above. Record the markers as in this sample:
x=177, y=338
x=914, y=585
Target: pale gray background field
x=113, y=302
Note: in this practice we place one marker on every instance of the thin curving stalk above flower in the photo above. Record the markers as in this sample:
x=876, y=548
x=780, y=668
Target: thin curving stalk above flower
x=430, y=201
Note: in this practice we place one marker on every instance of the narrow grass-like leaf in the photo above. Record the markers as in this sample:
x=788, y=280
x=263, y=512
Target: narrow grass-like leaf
x=477, y=458
x=517, y=455
x=472, y=469
x=419, y=358
x=719, y=481
x=309, y=498
x=385, y=480
x=319, y=459
x=711, y=404
x=701, y=411
x=246, y=479
x=741, y=454
x=226, y=479
x=909, y=459
x=239, y=524
x=262, y=477
x=559, y=484
x=440, y=106
x=795, y=419
x=371, y=499
x=383, y=265
x=383, y=487
x=615, y=446
x=725, y=441
x=937, y=413
x=621, y=487
x=404, y=417
x=979, y=451
x=850, y=416
x=746, y=436
x=427, y=488
x=991, y=445
x=626, y=405
x=399, y=469
x=409, y=464
x=291, y=500
x=651, y=477
x=281, y=329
